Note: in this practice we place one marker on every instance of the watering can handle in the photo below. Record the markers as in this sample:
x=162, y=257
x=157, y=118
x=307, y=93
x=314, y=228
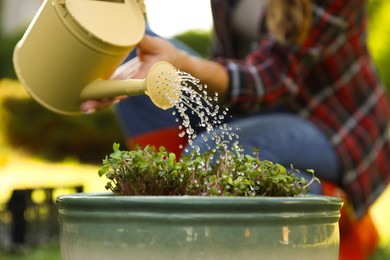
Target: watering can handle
x=99, y=89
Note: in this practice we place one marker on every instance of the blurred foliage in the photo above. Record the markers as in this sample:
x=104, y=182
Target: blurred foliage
x=379, y=37
x=7, y=45
x=198, y=40
x=27, y=125
x=383, y=250
x=40, y=252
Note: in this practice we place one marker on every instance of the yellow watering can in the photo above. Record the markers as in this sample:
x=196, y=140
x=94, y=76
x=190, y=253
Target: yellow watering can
x=72, y=47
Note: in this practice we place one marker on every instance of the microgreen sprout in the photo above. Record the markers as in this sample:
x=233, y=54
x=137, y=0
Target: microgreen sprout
x=220, y=172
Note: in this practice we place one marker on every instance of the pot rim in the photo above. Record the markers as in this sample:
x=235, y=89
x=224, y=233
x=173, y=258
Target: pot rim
x=105, y=205
x=95, y=198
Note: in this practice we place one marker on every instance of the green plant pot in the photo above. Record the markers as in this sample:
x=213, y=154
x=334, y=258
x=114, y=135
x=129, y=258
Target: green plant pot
x=104, y=226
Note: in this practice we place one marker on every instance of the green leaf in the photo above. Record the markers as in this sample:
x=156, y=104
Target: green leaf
x=115, y=146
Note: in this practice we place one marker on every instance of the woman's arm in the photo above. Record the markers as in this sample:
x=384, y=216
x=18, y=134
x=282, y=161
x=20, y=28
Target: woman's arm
x=153, y=49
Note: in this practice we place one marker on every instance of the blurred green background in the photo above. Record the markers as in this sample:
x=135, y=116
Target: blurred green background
x=44, y=142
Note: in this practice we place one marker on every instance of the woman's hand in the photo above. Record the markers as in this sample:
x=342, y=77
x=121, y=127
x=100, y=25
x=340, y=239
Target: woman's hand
x=125, y=71
x=150, y=50
x=154, y=49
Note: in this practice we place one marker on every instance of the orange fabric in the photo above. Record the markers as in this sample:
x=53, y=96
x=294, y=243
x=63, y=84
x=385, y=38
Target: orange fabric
x=169, y=138
x=358, y=237
x=359, y=241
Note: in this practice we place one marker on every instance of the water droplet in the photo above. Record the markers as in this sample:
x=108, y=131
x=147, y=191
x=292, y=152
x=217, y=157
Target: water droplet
x=194, y=104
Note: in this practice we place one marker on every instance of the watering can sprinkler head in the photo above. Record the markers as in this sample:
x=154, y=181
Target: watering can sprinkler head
x=163, y=85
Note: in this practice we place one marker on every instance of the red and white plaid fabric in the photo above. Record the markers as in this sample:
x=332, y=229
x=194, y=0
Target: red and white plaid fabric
x=330, y=80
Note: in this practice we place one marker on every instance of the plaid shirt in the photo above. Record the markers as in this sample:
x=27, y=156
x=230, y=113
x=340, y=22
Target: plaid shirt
x=330, y=80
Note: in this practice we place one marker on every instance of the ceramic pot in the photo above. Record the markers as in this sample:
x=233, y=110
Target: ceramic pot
x=104, y=226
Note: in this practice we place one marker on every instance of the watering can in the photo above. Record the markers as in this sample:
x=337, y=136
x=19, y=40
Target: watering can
x=72, y=47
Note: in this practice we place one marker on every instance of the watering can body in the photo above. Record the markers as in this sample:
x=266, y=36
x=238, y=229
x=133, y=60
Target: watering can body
x=71, y=43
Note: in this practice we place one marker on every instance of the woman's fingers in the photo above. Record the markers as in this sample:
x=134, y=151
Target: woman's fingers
x=127, y=70
x=93, y=105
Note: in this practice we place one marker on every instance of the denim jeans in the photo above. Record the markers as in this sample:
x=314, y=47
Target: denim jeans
x=287, y=139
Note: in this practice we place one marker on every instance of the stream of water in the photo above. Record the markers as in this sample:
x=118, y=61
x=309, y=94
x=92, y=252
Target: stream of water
x=195, y=103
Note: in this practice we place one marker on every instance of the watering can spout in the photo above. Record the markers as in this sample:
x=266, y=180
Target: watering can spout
x=100, y=89
x=162, y=85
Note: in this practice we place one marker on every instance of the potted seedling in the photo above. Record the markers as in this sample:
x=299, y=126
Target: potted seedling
x=221, y=204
